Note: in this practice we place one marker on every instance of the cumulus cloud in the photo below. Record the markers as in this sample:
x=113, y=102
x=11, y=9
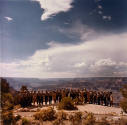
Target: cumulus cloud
x=8, y=18
x=53, y=7
x=103, y=56
x=78, y=29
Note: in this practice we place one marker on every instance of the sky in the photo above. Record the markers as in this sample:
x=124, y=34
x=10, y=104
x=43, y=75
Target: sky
x=63, y=38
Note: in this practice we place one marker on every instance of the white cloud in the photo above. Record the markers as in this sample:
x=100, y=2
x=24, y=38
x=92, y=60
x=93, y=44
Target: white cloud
x=53, y=7
x=8, y=19
x=109, y=18
x=79, y=65
x=103, y=56
x=80, y=30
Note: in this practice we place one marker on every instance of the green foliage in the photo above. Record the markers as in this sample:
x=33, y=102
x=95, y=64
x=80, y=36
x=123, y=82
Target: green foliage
x=89, y=119
x=25, y=121
x=45, y=114
x=67, y=104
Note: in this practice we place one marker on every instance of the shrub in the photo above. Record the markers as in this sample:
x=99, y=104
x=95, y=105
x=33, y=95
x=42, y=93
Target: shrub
x=17, y=106
x=8, y=118
x=18, y=117
x=66, y=104
x=7, y=101
x=123, y=122
x=123, y=105
x=103, y=122
x=89, y=119
x=25, y=121
x=61, y=115
x=45, y=114
x=75, y=118
x=78, y=101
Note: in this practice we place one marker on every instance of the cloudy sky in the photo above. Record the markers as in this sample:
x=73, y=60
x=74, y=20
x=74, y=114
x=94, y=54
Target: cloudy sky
x=63, y=38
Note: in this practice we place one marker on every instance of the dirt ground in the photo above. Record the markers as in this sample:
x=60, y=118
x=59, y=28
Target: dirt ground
x=99, y=112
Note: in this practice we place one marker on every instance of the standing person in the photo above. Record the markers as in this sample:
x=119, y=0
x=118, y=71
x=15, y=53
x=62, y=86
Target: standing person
x=67, y=92
x=82, y=96
x=57, y=96
x=50, y=98
x=46, y=97
x=88, y=97
x=101, y=98
x=38, y=98
x=54, y=97
x=108, y=98
x=105, y=98
x=60, y=95
x=111, y=99
x=42, y=98
x=85, y=96
x=34, y=97
x=63, y=94
x=91, y=97
x=98, y=98
x=95, y=97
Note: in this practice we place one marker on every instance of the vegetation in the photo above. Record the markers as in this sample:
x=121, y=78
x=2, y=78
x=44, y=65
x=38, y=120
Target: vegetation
x=67, y=104
x=76, y=118
x=7, y=104
x=123, y=103
x=45, y=114
x=89, y=119
x=61, y=117
x=25, y=121
x=103, y=121
x=123, y=121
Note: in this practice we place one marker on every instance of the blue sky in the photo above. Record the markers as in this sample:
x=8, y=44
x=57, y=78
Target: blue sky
x=63, y=38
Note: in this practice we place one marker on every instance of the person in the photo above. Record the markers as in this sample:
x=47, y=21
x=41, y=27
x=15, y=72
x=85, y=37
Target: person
x=111, y=99
x=82, y=96
x=95, y=97
x=46, y=97
x=50, y=98
x=42, y=98
x=34, y=97
x=54, y=97
x=85, y=96
x=38, y=98
x=59, y=95
x=98, y=98
x=105, y=98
